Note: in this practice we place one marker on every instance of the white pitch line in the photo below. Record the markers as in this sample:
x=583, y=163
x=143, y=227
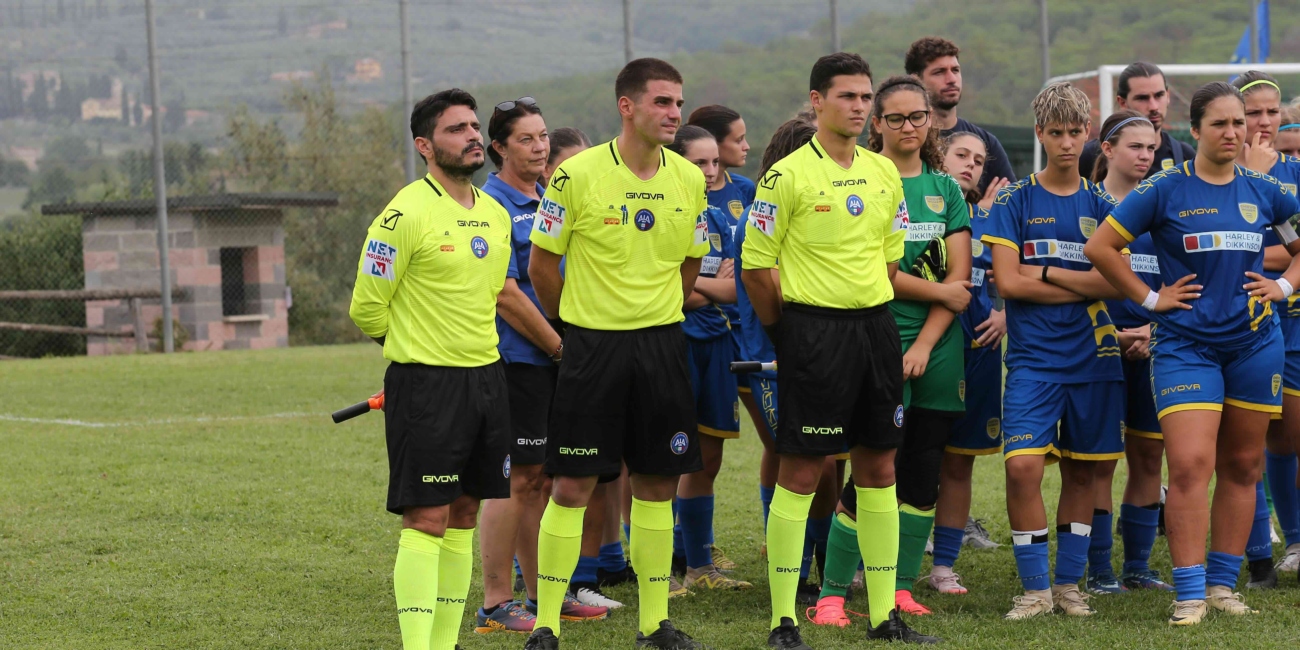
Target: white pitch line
x=136, y=423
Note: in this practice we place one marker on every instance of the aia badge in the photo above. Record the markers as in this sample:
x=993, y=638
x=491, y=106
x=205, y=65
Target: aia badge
x=680, y=443
x=505, y=467
x=898, y=416
x=479, y=246
x=644, y=220
x=855, y=205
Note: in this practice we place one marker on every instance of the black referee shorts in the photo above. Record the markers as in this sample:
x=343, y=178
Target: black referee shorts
x=531, y=388
x=447, y=434
x=841, y=377
x=623, y=396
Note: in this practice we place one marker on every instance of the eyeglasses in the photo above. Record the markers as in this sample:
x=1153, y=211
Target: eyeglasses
x=510, y=106
x=918, y=119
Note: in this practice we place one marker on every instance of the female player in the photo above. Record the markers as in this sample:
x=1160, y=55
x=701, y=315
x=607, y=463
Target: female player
x=1128, y=145
x=1263, y=122
x=1288, y=132
x=565, y=141
x=979, y=431
x=931, y=290
x=729, y=192
x=1217, y=351
x=710, y=355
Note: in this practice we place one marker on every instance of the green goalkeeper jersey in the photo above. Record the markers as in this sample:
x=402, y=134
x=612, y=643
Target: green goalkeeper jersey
x=937, y=209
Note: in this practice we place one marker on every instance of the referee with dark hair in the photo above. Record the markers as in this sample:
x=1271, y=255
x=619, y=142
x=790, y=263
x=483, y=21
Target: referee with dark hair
x=427, y=284
x=835, y=216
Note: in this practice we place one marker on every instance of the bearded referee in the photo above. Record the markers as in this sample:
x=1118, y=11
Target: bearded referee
x=834, y=214
x=628, y=217
x=427, y=284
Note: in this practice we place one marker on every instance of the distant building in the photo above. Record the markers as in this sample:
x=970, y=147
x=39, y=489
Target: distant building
x=293, y=75
x=110, y=108
x=366, y=71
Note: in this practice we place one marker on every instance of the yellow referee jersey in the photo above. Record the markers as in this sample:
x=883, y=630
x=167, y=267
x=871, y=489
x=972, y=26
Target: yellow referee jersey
x=429, y=276
x=624, y=239
x=833, y=229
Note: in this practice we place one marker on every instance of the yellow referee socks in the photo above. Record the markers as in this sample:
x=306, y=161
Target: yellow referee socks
x=559, y=543
x=415, y=583
x=651, y=546
x=786, y=522
x=454, y=569
x=878, y=541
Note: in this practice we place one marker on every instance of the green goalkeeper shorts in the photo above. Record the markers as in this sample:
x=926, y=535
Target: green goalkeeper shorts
x=943, y=386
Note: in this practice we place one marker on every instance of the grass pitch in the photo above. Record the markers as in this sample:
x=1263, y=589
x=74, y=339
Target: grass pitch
x=206, y=501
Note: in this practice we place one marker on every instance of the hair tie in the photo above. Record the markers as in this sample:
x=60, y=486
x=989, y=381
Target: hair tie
x=1115, y=129
x=1257, y=82
x=1288, y=127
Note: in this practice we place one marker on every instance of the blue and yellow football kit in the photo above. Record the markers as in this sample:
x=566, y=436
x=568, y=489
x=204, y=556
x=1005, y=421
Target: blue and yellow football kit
x=1063, y=361
x=754, y=344
x=732, y=200
x=1226, y=349
x=708, y=336
x=1287, y=172
x=979, y=431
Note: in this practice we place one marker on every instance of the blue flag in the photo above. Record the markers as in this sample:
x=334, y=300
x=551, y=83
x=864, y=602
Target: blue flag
x=1242, y=55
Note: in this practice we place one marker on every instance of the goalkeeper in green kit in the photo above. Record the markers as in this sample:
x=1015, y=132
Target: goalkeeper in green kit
x=927, y=299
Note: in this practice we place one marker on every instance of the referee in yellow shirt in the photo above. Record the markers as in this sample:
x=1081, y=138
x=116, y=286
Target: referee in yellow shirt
x=628, y=216
x=833, y=213
x=427, y=284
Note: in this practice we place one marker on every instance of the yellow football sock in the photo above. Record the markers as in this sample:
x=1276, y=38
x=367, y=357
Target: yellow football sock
x=415, y=584
x=652, y=555
x=786, y=522
x=559, y=543
x=454, y=570
x=878, y=513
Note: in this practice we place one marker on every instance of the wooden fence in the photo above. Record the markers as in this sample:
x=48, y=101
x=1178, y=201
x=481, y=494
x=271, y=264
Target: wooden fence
x=139, y=330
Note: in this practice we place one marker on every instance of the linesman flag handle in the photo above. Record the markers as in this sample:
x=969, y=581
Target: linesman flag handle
x=741, y=367
x=375, y=403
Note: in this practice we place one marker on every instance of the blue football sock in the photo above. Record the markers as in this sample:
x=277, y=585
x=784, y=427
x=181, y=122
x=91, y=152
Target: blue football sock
x=1071, y=552
x=1030, y=549
x=611, y=557
x=1189, y=582
x=765, y=495
x=1222, y=569
x=518, y=571
x=947, y=544
x=820, y=531
x=1100, y=543
x=627, y=532
x=1286, y=498
x=1259, y=546
x=679, y=547
x=586, y=569
x=696, y=524
x=1139, y=536
x=805, y=565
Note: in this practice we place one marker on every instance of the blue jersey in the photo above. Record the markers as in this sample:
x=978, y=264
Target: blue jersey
x=734, y=197
x=1142, y=259
x=754, y=344
x=1070, y=343
x=1216, y=232
x=710, y=321
x=514, y=348
x=981, y=257
x=1287, y=172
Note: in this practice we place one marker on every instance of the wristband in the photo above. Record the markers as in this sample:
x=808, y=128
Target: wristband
x=1287, y=289
x=1150, y=303
x=1045, y=274
x=559, y=350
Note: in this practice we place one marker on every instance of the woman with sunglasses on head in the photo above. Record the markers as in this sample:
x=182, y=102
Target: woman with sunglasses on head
x=1263, y=100
x=1129, y=142
x=1217, y=352
x=531, y=350
x=930, y=290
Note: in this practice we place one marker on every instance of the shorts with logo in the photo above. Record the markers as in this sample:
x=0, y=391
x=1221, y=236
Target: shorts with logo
x=447, y=434
x=1090, y=416
x=763, y=386
x=530, y=387
x=623, y=396
x=841, y=376
x=979, y=431
x=942, y=387
x=742, y=382
x=1139, y=404
x=1291, y=336
x=1189, y=375
x=717, y=403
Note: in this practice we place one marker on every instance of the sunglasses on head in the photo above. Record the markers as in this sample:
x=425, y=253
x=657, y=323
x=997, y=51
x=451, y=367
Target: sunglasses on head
x=510, y=106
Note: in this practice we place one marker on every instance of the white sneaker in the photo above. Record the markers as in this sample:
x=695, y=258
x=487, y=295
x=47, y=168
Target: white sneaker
x=591, y=596
x=1072, y=601
x=1224, y=600
x=1272, y=533
x=1033, y=603
x=1290, y=563
x=929, y=546
x=946, y=581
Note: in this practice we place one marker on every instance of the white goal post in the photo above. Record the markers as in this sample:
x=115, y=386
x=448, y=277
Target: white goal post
x=1106, y=75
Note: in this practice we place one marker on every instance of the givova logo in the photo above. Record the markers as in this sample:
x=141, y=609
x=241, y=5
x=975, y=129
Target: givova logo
x=445, y=478
x=579, y=451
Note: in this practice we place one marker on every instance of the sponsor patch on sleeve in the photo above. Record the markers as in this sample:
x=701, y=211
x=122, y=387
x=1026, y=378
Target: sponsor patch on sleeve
x=901, y=219
x=550, y=218
x=701, y=230
x=380, y=257
x=763, y=215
